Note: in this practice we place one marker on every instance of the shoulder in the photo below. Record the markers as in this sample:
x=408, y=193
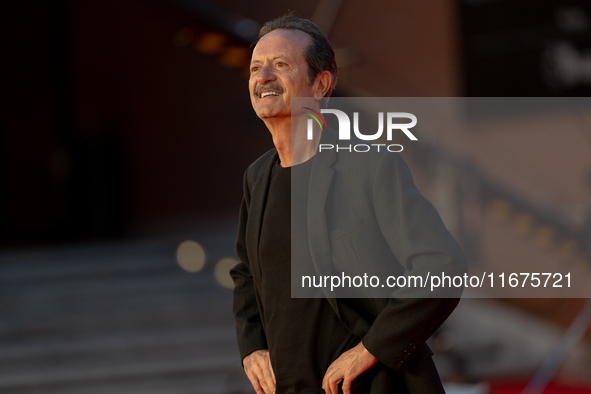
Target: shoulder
x=369, y=156
x=260, y=164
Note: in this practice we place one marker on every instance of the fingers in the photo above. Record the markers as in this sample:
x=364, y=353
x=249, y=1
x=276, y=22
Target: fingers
x=336, y=374
x=347, y=386
x=331, y=380
x=334, y=387
x=325, y=382
x=269, y=378
x=347, y=368
x=272, y=372
x=257, y=366
x=255, y=383
x=262, y=384
x=265, y=385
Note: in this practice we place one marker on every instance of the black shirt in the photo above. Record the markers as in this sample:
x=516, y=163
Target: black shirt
x=304, y=334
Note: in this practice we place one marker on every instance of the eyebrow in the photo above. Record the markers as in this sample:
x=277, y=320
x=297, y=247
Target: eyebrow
x=275, y=58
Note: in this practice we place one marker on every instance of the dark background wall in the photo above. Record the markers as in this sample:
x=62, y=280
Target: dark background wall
x=133, y=117
x=108, y=127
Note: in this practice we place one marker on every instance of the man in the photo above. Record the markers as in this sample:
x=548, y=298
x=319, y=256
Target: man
x=315, y=345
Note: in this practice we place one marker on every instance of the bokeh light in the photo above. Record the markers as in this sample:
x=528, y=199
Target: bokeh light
x=190, y=256
x=222, y=272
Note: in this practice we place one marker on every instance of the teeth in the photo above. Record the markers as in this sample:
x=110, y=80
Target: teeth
x=269, y=94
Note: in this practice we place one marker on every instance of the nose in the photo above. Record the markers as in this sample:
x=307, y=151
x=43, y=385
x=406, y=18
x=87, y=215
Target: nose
x=265, y=75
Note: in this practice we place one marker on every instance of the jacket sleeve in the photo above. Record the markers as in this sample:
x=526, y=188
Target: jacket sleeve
x=421, y=243
x=249, y=327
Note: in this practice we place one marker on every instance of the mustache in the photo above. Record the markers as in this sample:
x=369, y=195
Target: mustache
x=272, y=85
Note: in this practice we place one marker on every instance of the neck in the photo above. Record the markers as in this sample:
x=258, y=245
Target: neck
x=290, y=139
x=280, y=128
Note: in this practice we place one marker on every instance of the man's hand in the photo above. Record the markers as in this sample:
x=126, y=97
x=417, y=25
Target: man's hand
x=347, y=367
x=257, y=366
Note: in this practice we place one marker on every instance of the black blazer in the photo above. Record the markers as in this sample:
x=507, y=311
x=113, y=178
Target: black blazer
x=388, y=213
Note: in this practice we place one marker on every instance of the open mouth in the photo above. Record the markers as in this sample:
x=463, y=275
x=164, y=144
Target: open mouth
x=266, y=94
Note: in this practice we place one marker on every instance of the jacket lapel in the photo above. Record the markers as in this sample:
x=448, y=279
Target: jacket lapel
x=259, y=191
x=320, y=180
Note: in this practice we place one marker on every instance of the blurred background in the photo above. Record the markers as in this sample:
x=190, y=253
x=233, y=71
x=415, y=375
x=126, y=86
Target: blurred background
x=118, y=213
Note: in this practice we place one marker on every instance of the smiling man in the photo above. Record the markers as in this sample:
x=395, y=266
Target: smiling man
x=317, y=345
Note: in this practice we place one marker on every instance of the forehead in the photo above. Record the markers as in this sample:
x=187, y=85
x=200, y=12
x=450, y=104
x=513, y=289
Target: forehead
x=282, y=42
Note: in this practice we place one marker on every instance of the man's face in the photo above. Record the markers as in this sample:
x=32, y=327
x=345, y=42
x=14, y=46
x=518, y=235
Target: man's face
x=278, y=72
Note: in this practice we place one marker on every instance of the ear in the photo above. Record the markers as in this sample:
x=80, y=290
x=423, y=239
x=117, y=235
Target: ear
x=322, y=84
